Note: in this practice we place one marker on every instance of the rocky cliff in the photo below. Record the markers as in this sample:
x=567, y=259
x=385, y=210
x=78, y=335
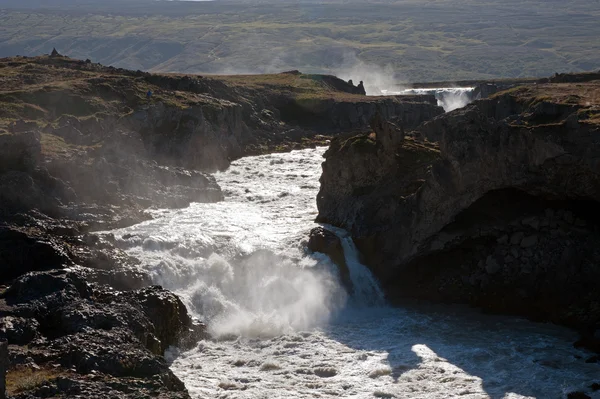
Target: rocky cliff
x=495, y=204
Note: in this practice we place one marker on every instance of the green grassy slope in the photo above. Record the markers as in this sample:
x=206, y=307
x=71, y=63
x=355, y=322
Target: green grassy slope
x=420, y=40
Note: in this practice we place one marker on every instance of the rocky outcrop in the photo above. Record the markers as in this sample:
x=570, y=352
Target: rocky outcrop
x=67, y=324
x=388, y=134
x=80, y=318
x=20, y=151
x=494, y=205
x=326, y=242
x=328, y=115
x=200, y=137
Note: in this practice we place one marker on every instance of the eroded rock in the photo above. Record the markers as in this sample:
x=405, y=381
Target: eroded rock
x=509, y=183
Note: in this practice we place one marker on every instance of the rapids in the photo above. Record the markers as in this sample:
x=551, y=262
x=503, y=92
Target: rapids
x=284, y=327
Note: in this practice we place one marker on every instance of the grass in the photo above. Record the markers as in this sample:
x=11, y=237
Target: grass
x=421, y=41
x=23, y=379
x=50, y=91
x=585, y=95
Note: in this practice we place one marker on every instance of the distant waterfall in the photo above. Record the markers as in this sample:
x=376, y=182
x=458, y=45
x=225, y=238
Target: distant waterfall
x=449, y=98
x=366, y=289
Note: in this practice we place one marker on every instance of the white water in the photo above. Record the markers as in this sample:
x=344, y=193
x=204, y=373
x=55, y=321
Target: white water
x=450, y=98
x=287, y=327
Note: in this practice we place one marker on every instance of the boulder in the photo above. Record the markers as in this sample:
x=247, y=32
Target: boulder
x=388, y=134
x=20, y=151
x=171, y=321
x=23, y=251
x=18, y=330
x=326, y=242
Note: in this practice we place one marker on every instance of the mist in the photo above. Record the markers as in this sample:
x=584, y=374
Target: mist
x=376, y=79
x=262, y=295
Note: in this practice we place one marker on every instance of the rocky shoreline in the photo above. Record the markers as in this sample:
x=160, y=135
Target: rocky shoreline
x=493, y=205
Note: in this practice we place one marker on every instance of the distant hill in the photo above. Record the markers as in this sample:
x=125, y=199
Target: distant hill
x=413, y=40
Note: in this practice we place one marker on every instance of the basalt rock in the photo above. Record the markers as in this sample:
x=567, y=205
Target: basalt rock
x=23, y=250
x=93, y=331
x=20, y=151
x=494, y=204
x=327, y=242
x=387, y=133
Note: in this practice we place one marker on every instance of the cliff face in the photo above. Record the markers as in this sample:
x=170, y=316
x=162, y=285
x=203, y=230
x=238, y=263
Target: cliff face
x=78, y=132
x=494, y=204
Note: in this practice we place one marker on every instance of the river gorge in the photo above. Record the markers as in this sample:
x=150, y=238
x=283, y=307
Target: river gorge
x=289, y=236
x=284, y=327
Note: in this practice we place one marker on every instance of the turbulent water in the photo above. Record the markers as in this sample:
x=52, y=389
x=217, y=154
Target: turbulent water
x=450, y=98
x=285, y=328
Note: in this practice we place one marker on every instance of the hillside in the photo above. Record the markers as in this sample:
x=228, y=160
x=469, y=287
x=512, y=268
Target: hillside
x=376, y=41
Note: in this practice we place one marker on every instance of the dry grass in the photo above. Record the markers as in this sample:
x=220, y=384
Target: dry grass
x=23, y=379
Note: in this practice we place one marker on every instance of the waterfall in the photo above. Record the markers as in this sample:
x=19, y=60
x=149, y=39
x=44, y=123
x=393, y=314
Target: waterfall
x=366, y=290
x=449, y=98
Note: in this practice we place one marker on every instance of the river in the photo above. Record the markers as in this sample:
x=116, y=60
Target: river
x=284, y=327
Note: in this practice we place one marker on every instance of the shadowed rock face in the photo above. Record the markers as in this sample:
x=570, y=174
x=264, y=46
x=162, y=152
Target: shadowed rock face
x=494, y=204
x=77, y=330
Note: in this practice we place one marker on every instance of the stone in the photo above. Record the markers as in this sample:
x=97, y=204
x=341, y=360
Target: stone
x=388, y=134
x=580, y=222
x=578, y=395
x=491, y=265
x=23, y=251
x=326, y=242
x=529, y=241
x=532, y=222
x=515, y=253
x=502, y=240
x=18, y=330
x=20, y=151
x=569, y=218
x=516, y=238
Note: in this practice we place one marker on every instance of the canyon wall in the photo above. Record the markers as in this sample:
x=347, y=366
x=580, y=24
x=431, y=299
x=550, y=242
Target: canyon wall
x=495, y=204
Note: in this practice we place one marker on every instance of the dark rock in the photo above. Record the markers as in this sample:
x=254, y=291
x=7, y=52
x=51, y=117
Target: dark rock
x=388, y=134
x=93, y=331
x=19, y=151
x=578, y=395
x=172, y=324
x=36, y=288
x=360, y=89
x=477, y=175
x=18, y=330
x=529, y=241
x=22, y=251
x=492, y=266
x=327, y=242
